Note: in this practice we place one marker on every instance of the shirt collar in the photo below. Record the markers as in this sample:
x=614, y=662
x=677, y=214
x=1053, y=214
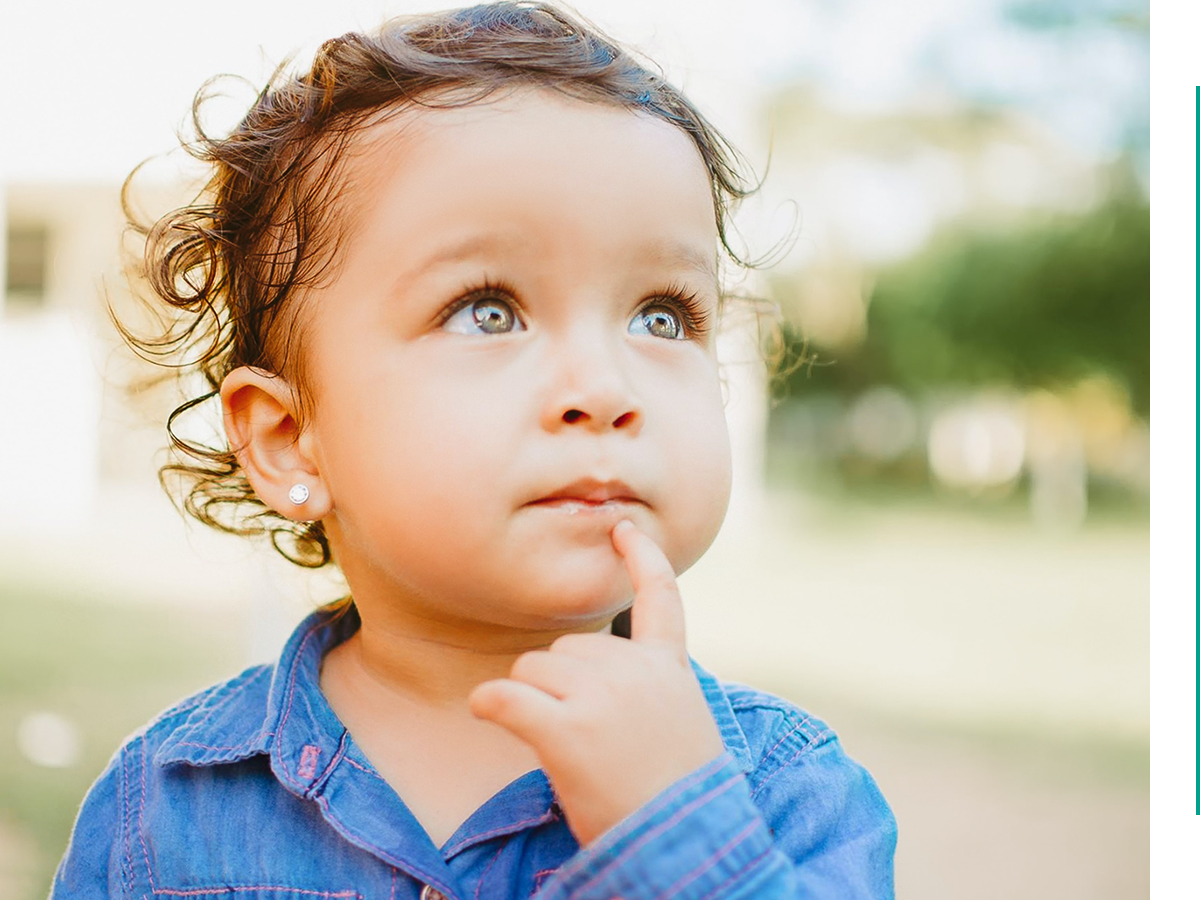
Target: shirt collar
x=279, y=710
x=267, y=709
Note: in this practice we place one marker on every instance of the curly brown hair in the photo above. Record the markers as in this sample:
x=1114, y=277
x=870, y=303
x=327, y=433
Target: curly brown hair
x=265, y=227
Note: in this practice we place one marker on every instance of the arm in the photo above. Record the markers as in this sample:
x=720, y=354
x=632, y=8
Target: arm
x=816, y=828
x=90, y=868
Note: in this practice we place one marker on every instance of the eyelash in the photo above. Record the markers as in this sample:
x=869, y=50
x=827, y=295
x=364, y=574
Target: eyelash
x=694, y=314
x=488, y=288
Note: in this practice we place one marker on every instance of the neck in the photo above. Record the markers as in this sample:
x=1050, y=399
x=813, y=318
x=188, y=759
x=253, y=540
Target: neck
x=433, y=665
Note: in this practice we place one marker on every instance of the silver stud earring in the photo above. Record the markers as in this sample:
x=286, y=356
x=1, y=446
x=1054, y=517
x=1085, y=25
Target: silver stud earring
x=298, y=494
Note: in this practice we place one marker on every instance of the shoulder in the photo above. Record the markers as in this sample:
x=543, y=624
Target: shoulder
x=778, y=732
x=229, y=718
x=818, y=802
x=794, y=755
x=763, y=732
x=775, y=728
x=222, y=718
x=226, y=719
x=787, y=754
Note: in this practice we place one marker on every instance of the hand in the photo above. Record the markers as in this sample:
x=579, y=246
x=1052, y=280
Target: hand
x=613, y=721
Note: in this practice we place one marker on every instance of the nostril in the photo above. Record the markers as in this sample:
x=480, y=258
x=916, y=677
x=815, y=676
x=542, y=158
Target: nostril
x=623, y=419
x=571, y=416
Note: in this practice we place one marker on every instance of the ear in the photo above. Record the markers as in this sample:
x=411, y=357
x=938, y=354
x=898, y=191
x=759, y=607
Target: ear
x=262, y=425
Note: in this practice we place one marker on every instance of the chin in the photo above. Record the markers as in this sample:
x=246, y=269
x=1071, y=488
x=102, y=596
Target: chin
x=576, y=598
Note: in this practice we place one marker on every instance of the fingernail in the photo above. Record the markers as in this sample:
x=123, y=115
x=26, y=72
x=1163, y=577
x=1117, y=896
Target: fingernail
x=623, y=525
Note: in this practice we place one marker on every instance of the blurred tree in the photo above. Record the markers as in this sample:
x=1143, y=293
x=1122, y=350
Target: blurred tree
x=1041, y=304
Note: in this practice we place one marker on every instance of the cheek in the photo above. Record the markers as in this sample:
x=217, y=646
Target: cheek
x=700, y=479
x=427, y=456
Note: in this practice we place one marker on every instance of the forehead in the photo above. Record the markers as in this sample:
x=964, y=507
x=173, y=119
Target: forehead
x=530, y=163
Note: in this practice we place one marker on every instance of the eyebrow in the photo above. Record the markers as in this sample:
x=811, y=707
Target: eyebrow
x=671, y=252
x=661, y=252
x=468, y=248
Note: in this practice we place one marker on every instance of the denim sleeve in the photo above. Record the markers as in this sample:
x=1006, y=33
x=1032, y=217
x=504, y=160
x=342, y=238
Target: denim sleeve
x=90, y=867
x=816, y=828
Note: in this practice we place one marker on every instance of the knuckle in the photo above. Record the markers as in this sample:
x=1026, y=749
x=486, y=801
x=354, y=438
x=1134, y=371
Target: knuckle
x=524, y=666
x=563, y=643
x=663, y=581
x=574, y=643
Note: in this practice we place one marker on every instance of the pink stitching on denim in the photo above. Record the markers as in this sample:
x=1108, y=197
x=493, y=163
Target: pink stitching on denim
x=544, y=817
x=671, y=793
x=183, y=706
x=292, y=678
x=308, y=761
x=333, y=761
x=241, y=746
x=227, y=889
x=323, y=802
x=813, y=744
x=738, y=874
x=124, y=786
x=488, y=868
x=395, y=871
x=715, y=858
x=222, y=697
x=142, y=821
x=291, y=696
x=662, y=800
x=658, y=829
x=786, y=735
x=221, y=890
x=362, y=768
x=539, y=878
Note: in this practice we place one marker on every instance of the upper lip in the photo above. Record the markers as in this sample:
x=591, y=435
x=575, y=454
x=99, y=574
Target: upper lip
x=593, y=490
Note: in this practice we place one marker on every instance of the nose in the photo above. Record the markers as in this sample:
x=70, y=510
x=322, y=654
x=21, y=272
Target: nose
x=591, y=389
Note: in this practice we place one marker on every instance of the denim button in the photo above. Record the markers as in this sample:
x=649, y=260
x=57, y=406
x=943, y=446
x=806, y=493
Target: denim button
x=429, y=892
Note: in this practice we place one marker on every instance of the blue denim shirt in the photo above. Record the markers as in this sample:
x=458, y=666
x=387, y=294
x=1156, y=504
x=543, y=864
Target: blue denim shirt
x=254, y=789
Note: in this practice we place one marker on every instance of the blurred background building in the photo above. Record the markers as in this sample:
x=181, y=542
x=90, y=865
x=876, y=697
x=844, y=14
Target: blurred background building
x=940, y=538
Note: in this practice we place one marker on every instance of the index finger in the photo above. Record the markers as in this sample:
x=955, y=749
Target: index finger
x=657, y=613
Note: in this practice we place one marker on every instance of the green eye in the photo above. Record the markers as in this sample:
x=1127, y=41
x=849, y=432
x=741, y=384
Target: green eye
x=658, y=321
x=489, y=315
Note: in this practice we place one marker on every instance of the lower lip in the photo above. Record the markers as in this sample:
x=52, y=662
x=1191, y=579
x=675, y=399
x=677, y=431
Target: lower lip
x=575, y=507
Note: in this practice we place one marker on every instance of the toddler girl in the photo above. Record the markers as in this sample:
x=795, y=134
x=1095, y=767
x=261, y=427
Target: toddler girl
x=456, y=287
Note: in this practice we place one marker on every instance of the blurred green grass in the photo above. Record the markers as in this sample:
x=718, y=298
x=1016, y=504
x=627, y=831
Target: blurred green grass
x=106, y=665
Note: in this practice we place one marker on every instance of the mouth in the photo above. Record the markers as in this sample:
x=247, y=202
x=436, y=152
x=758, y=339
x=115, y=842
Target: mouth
x=590, y=494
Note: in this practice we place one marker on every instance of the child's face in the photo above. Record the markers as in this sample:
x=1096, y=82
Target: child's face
x=500, y=374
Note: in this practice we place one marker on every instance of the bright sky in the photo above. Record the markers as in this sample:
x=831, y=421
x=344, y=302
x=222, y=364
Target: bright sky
x=93, y=88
